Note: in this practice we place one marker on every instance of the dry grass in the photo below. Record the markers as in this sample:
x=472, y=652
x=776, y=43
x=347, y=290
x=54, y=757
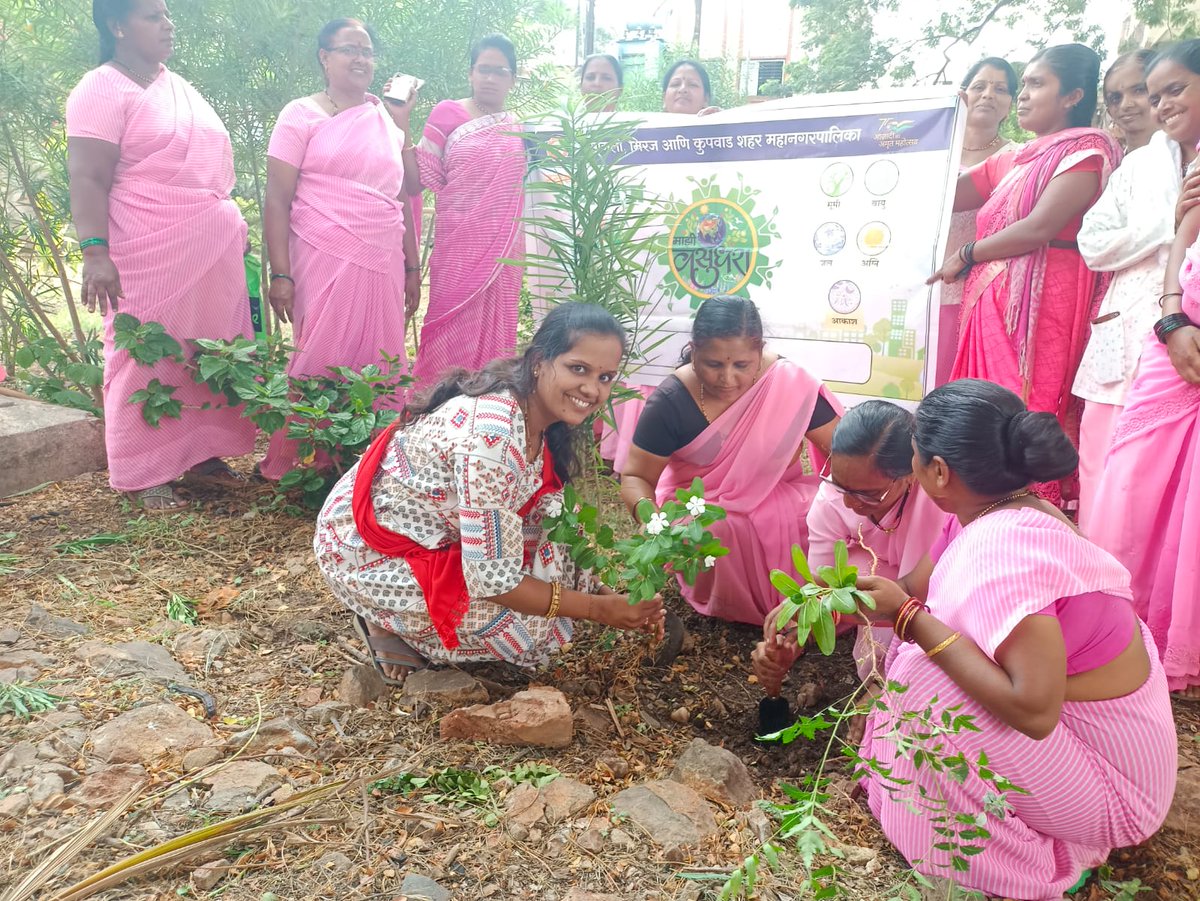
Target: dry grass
x=252, y=572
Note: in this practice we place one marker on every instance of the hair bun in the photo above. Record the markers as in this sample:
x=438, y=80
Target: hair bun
x=1036, y=447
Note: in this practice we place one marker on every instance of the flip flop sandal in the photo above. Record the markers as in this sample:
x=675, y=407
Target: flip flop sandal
x=174, y=503
x=389, y=650
x=1083, y=880
x=216, y=473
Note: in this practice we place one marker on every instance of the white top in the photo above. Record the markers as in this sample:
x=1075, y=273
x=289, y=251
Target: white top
x=1128, y=231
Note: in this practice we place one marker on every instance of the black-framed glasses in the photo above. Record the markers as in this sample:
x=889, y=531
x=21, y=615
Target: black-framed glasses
x=350, y=51
x=494, y=71
x=866, y=497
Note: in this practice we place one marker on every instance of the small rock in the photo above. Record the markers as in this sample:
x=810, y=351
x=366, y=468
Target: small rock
x=557, y=843
x=26, y=661
x=283, y=793
x=336, y=863
x=64, y=744
x=283, y=732
x=681, y=715
x=555, y=802
x=148, y=733
x=41, y=620
x=14, y=806
x=47, y=787
x=857, y=855
x=107, y=786
x=133, y=658
x=592, y=840
x=310, y=697
x=206, y=876
x=808, y=695
x=362, y=686
x=240, y=785
x=61, y=770
x=55, y=720
x=450, y=687
x=200, y=647
x=420, y=888
x=517, y=831
x=593, y=720
x=671, y=813
x=310, y=630
x=1184, y=815
x=200, y=758
x=538, y=717
x=325, y=711
x=614, y=763
x=20, y=756
x=716, y=773
x=9, y=636
x=621, y=839
x=578, y=894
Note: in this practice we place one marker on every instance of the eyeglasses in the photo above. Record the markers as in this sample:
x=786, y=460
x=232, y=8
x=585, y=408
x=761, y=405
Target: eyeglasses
x=494, y=71
x=348, y=51
x=866, y=497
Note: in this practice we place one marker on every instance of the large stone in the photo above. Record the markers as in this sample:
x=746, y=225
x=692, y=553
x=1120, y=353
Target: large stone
x=671, y=813
x=240, y=785
x=25, y=660
x=41, y=620
x=104, y=788
x=273, y=735
x=133, y=658
x=450, y=687
x=14, y=806
x=420, y=888
x=46, y=443
x=21, y=756
x=536, y=717
x=1184, y=815
x=146, y=734
x=361, y=686
x=555, y=802
x=200, y=647
x=578, y=894
x=716, y=773
x=48, y=788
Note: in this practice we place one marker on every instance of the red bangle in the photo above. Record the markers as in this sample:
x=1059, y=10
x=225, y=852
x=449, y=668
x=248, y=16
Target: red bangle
x=909, y=609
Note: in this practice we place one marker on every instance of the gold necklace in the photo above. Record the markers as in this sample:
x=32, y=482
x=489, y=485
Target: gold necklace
x=1004, y=500
x=144, y=80
x=703, y=411
x=899, y=514
x=336, y=109
x=989, y=146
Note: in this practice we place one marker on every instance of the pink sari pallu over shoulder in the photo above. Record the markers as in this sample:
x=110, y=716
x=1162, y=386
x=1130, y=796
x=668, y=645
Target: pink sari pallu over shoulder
x=177, y=239
x=748, y=461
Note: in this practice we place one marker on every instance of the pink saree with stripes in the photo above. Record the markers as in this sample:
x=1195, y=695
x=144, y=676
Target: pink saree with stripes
x=346, y=243
x=476, y=167
x=1103, y=779
x=177, y=240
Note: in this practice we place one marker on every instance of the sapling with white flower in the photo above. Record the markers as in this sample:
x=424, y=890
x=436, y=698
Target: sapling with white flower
x=674, y=539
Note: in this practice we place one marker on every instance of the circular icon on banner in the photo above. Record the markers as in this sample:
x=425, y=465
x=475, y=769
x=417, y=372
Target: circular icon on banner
x=844, y=296
x=882, y=177
x=874, y=238
x=714, y=247
x=829, y=239
x=836, y=179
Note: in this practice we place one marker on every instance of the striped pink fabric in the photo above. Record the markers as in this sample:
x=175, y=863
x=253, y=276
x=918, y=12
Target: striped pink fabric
x=177, y=239
x=1104, y=778
x=346, y=243
x=476, y=167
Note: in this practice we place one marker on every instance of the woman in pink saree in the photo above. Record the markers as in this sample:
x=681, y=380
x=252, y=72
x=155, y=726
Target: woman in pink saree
x=1148, y=505
x=345, y=269
x=736, y=417
x=1029, y=297
x=471, y=158
x=151, y=169
x=1025, y=627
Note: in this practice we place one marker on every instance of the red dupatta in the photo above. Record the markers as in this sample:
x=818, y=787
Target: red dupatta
x=438, y=571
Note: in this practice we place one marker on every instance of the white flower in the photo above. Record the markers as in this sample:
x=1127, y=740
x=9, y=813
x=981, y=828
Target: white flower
x=710, y=561
x=657, y=523
x=554, y=506
x=695, y=505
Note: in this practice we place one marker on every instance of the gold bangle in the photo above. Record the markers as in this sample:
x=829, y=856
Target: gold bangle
x=555, y=599
x=941, y=646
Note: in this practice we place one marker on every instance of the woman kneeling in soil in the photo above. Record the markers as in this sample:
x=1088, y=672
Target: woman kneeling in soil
x=434, y=539
x=869, y=499
x=1027, y=628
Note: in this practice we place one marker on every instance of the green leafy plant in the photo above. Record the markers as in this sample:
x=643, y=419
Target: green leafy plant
x=182, y=609
x=26, y=698
x=8, y=562
x=673, y=539
x=813, y=604
x=80, y=546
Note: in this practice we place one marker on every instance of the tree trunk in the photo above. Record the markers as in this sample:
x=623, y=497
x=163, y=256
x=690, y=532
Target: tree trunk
x=589, y=29
x=696, y=30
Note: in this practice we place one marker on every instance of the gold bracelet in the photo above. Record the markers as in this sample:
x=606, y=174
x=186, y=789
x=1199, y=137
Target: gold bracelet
x=945, y=643
x=555, y=599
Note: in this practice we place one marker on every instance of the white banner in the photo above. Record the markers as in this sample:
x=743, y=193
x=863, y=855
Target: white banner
x=829, y=212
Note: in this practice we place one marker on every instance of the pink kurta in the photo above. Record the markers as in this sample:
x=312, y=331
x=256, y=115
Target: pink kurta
x=346, y=243
x=748, y=460
x=176, y=238
x=898, y=552
x=1102, y=779
x=476, y=167
x=1148, y=502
